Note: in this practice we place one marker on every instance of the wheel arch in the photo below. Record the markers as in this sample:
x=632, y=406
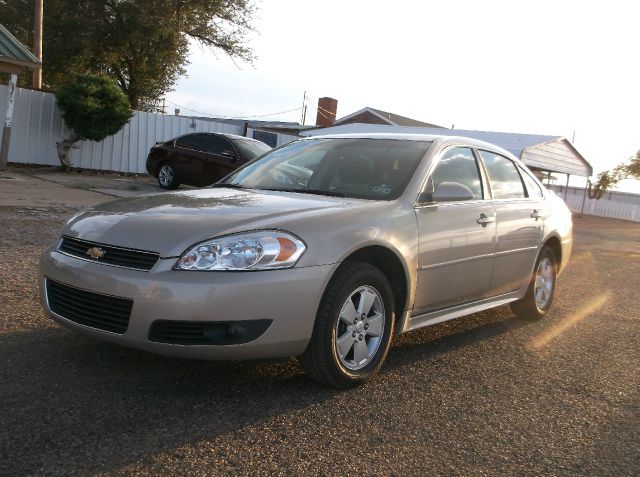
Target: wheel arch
x=394, y=268
x=553, y=242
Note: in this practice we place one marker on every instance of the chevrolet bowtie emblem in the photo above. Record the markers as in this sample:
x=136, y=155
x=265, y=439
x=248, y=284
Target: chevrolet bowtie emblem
x=96, y=252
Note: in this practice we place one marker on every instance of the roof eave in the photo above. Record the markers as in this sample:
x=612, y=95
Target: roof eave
x=363, y=110
x=14, y=61
x=589, y=166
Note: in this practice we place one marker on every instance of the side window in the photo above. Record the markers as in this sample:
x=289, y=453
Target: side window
x=215, y=144
x=533, y=188
x=459, y=165
x=503, y=176
x=190, y=141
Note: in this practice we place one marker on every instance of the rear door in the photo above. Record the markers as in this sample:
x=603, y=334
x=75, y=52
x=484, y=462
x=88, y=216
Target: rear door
x=456, y=238
x=519, y=217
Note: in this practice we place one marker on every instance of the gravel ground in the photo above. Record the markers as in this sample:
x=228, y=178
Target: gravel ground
x=485, y=395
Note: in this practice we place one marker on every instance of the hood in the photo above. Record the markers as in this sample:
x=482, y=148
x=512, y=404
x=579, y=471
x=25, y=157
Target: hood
x=169, y=223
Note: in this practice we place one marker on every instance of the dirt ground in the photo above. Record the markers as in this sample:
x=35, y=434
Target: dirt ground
x=488, y=394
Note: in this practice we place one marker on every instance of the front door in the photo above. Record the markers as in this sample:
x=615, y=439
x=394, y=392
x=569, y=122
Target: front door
x=189, y=157
x=456, y=237
x=220, y=159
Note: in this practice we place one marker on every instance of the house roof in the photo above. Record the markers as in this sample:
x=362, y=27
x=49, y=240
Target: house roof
x=390, y=118
x=549, y=153
x=14, y=52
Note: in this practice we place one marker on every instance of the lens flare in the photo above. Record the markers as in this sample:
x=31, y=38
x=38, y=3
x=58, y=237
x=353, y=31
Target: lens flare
x=564, y=324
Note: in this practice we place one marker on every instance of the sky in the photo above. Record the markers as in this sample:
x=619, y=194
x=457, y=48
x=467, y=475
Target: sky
x=547, y=67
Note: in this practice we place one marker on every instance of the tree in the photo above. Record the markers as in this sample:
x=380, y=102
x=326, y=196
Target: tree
x=93, y=107
x=608, y=179
x=142, y=44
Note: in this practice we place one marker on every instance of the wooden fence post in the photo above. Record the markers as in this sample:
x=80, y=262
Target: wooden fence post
x=6, y=130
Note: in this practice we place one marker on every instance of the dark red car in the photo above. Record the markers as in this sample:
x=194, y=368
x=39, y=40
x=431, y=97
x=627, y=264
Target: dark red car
x=200, y=159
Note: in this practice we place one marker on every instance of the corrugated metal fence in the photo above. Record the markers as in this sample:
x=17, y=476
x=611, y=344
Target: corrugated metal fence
x=38, y=125
x=615, y=205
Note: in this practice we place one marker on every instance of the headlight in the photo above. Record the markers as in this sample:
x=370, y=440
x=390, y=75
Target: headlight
x=265, y=250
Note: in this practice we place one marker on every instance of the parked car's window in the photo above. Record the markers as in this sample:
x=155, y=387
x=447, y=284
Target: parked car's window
x=215, y=144
x=250, y=149
x=503, y=176
x=359, y=168
x=459, y=165
x=533, y=188
x=189, y=141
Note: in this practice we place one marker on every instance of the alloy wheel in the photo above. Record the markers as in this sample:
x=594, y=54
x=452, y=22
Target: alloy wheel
x=360, y=328
x=165, y=175
x=543, y=287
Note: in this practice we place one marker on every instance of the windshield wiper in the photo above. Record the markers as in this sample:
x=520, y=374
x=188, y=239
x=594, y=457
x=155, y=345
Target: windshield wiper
x=312, y=191
x=230, y=186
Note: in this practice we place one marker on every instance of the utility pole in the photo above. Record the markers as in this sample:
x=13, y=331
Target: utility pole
x=584, y=197
x=37, y=44
x=304, y=108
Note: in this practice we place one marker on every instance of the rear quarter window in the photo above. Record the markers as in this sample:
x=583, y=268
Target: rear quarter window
x=534, y=191
x=190, y=141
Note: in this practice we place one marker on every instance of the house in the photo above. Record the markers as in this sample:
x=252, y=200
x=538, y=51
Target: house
x=376, y=116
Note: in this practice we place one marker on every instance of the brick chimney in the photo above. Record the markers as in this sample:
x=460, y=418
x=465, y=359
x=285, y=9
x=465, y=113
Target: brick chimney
x=327, y=108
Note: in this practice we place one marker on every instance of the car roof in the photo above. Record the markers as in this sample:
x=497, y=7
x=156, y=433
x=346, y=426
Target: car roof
x=440, y=138
x=227, y=135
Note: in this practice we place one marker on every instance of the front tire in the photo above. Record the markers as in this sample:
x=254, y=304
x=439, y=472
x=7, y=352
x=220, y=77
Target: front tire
x=167, y=178
x=353, y=328
x=537, y=302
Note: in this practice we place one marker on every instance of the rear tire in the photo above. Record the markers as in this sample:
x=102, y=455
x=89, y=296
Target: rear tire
x=539, y=298
x=353, y=328
x=167, y=176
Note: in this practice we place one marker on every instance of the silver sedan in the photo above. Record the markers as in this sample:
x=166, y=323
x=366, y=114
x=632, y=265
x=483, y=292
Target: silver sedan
x=323, y=249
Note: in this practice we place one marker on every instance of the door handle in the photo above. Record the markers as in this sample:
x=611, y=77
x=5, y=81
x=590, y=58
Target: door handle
x=484, y=220
x=535, y=214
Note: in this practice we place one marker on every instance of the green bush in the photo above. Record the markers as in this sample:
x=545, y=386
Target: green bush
x=94, y=107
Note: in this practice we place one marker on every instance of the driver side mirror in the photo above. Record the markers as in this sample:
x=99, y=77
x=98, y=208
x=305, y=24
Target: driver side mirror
x=447, y=192
x=452, y=192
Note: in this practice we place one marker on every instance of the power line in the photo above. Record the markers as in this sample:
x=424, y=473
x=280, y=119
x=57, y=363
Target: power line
x=235, y=117
x=330, y=115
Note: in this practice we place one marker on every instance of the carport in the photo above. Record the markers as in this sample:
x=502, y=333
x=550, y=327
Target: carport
x=544, y=155
x=13, y=57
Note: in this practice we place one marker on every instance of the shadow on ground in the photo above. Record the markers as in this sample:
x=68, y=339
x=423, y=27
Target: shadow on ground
x=67, y=398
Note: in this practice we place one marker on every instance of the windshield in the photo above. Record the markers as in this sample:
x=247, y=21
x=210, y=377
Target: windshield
x=250, y=149
x=376, y=169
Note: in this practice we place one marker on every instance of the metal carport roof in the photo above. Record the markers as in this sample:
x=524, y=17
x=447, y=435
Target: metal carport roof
x=14, y=52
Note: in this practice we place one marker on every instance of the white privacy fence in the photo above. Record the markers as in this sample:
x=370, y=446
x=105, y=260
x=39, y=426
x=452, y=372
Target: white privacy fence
x=615, y=205
x=38, y=125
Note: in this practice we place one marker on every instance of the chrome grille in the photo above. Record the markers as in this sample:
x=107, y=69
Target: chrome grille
x=111, y=255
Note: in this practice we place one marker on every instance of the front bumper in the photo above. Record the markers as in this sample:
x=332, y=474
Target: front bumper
x=288, y=297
